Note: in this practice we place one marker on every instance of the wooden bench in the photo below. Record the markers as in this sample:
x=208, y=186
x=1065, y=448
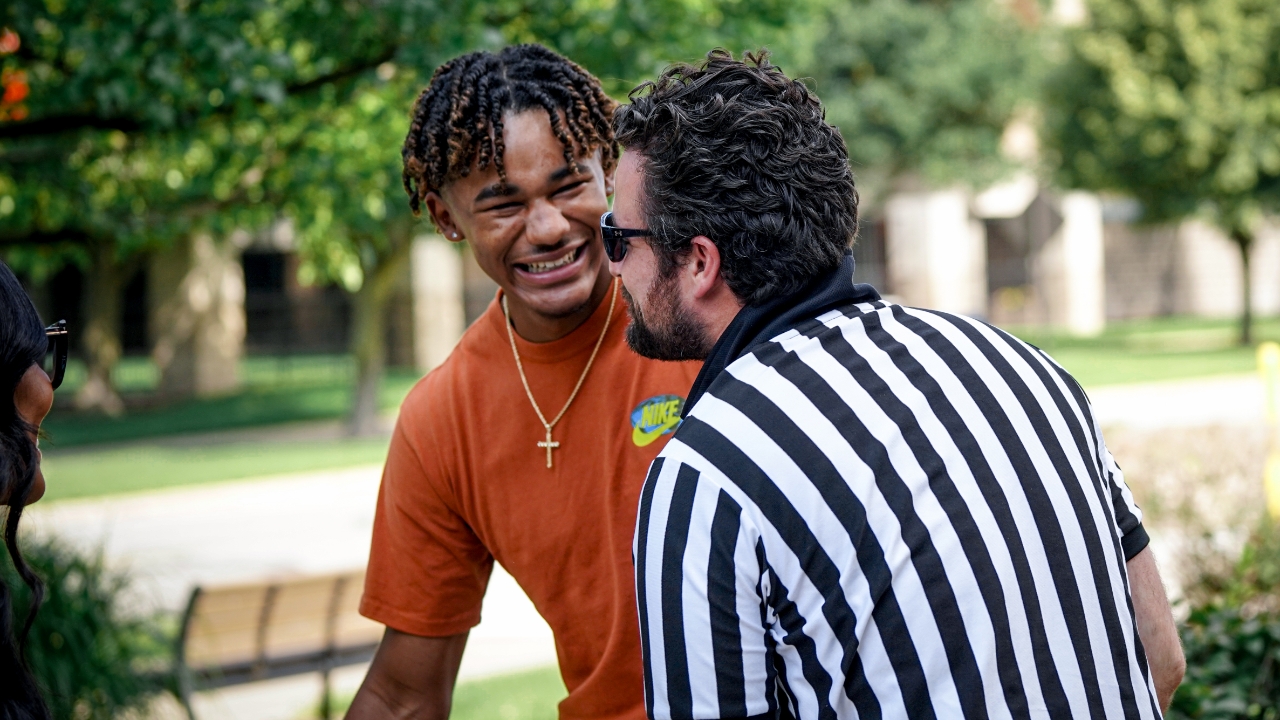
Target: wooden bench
x=237, y=634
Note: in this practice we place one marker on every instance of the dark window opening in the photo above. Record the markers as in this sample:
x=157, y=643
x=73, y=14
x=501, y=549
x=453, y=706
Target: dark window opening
x=133, y=320
x=283, y=317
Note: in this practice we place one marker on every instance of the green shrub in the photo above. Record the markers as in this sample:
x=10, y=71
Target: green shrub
x=1232, y=637
x=1233, y=666
x=91, y=659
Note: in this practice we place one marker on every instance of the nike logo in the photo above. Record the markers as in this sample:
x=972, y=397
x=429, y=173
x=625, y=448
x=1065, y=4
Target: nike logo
x=644, y=437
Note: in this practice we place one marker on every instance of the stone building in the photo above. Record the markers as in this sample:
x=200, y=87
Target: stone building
x=201, y=306
x=1019, y=254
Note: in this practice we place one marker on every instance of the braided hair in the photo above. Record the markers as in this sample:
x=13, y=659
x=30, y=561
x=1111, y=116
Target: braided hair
x=457, y=120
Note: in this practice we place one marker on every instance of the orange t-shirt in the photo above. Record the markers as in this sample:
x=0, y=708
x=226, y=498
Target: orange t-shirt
x=466, y=483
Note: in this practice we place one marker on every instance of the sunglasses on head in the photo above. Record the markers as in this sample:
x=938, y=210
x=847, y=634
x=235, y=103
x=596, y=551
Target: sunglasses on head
x=615, y=238
x=55, y=358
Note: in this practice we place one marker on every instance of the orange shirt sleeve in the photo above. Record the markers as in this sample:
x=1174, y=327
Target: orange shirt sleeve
x=427, y=569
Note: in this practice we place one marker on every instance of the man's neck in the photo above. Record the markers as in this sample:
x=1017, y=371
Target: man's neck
x=535, y=327
x=717, y=311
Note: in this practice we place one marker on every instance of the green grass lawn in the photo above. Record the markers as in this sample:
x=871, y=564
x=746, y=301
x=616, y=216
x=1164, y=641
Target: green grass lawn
x=531, y=695
x=134, y=468
x=1158, y=349
x=311, y=391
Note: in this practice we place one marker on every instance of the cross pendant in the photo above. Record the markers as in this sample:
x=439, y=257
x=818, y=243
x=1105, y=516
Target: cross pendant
x=549, y=445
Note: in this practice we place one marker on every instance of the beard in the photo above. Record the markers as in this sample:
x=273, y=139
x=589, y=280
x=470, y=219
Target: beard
x=669, y=332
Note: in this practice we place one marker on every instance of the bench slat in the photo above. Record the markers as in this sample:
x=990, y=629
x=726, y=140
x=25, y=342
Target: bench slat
x=252, y=631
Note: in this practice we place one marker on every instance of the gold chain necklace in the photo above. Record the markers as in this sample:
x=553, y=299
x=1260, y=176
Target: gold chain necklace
x=548, y=444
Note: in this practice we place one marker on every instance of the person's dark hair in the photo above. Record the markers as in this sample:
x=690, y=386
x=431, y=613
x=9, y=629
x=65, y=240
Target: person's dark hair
x=738, y=152
x=457, y=120
x=22, y=344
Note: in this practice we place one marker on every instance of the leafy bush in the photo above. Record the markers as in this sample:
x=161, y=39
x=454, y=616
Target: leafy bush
x=91, y=659
x=1232, y=637
x=1233, y=666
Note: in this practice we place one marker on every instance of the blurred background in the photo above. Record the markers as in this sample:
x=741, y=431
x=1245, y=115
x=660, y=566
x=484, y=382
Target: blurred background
x=208, y=192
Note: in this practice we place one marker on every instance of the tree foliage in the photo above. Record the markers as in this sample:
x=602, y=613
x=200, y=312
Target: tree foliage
x=926, y=88
x=150, y=120
x=1178, y=105
x=147, y=115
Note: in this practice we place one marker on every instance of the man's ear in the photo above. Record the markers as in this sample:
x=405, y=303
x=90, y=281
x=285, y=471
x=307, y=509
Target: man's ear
x=443, y=217
x=702, y=266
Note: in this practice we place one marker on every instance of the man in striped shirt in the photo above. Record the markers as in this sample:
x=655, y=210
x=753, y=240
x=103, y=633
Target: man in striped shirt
x=868, y=510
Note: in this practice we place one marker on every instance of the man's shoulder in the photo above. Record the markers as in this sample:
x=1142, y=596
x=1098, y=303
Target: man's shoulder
x=889, y=327
x=473, y=356
x=878, y=341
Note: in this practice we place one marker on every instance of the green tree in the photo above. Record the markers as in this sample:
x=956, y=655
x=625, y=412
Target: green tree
x=924, y=90
x=1178, y=105
x=145, y=124
x=152, y=120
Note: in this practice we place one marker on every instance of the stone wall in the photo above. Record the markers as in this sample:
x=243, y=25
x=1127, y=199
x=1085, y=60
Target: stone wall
x=1189, y=269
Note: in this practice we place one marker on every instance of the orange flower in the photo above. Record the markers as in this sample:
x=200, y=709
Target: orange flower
x=9, y=42
x=15, y=87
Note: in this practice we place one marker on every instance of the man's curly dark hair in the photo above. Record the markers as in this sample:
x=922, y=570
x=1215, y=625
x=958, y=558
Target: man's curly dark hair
x=738, y=152
x=457, y=120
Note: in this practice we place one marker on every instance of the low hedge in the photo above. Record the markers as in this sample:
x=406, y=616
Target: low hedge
x=1232, y=636
x=93, y=659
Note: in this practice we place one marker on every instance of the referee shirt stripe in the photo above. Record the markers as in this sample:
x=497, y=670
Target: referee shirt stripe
x=679, y=694
x=650, y=603
x=1020, y=442
x=722, y=597
x=1050, y=422
x=964, y=678
x=816, y=466
x=890, y=512
x=967, y=426
x=642, y=562
x=695, y=592
x=929, y=405
x=794, y=532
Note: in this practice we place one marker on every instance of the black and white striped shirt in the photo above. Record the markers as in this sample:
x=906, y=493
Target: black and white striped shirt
x=890, y=512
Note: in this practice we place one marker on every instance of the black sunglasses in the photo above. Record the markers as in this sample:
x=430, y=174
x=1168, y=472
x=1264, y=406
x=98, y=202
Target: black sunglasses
x=615, y=238
x=55, y=358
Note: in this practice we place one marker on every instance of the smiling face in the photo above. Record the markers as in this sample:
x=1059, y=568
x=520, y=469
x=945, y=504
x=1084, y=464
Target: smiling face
x=539, y=236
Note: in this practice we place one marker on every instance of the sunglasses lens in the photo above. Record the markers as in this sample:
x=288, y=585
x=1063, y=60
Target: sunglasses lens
x=54, y=362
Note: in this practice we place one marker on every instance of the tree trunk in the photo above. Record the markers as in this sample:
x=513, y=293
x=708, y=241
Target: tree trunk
x=1244, y=241
x=102, y=347
x=369, y=339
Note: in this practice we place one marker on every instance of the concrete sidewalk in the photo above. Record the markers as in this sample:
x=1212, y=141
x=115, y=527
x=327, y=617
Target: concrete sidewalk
x=245, y=530
x=1228, y=400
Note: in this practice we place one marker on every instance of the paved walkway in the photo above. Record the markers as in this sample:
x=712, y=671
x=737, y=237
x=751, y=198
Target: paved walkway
x=252, y=529
x=1229, y=400
x=320, y=522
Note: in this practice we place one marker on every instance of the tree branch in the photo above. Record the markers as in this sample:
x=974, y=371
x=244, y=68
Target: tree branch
x=73, y=236
x=365, y=65
x=59, y=124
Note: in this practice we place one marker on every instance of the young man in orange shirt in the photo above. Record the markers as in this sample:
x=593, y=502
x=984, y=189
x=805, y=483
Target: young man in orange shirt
x=529, y=445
